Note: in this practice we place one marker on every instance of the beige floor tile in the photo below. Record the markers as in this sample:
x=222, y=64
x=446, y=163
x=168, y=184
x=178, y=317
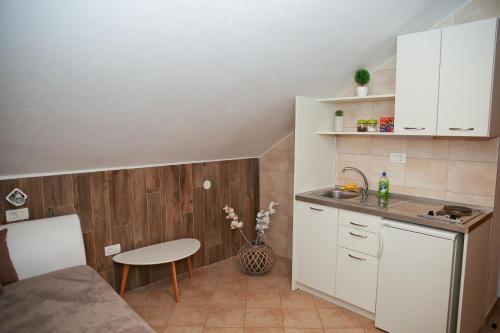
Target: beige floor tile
x=262, y=283
x=344, y=330
x=228, y=298
x=301, y=318
x=155, y=315
x=323, y=304
x=158, y=298
x=202, y=299
x=188, y=316
x=223, y=330
x=236, y=284
x=264, y=330
x=135, y=297
x=207, y=283
x=175, y=329
x=265, y=299
x=226, y=317
x=375, y=330
x=303, y=330
x=263, y=317
x=338, y=318
x=296, y=299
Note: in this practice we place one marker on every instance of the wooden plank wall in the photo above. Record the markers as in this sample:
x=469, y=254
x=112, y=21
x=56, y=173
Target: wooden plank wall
x=140, y=207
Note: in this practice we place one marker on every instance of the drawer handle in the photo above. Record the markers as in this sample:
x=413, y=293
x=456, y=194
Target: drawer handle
x=356, y=235
x=357, y=258
x=358, y=225
x=316, y=209
x=461, y=129
x=414, y=128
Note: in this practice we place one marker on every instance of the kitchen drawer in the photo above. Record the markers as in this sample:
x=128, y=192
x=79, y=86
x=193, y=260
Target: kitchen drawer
x=360, y=221
x=356, y=279
x=359, y=240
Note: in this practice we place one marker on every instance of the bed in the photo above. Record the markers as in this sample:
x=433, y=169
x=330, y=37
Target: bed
x=57, y=291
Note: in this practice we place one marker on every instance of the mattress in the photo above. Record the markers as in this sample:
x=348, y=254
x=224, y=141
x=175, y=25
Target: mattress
x=74, y=299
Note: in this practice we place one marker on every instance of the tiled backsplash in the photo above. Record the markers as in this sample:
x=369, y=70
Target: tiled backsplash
x=462, y=170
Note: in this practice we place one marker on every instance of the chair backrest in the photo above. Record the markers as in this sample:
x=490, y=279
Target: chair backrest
x=45, y=245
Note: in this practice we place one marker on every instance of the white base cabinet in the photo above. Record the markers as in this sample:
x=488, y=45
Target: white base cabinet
x=316, y=246
x=356, y=278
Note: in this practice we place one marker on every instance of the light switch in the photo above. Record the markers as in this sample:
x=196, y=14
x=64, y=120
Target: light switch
x=14, y=215
x=112, y=249
x=398, y=158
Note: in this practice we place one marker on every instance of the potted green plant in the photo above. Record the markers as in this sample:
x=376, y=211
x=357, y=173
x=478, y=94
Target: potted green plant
x=362, y=77
x=339, y=121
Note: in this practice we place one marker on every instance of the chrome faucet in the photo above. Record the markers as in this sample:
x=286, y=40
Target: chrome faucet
x=364, y=197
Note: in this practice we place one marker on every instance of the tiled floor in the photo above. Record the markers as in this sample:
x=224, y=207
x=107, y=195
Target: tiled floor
x=220, y=298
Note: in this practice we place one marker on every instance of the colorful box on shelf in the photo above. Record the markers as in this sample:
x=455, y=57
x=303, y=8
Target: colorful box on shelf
x=387, y=124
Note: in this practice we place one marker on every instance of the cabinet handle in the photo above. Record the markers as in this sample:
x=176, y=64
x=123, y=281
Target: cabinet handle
x=358, y=225
x=461, y=129
x=356, y=235
x=357, y=258
x=381, y=243
x=414, y=128
x=316, y=209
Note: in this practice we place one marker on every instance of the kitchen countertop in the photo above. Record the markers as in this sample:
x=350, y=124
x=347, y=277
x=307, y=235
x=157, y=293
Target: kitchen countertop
x=398, y=207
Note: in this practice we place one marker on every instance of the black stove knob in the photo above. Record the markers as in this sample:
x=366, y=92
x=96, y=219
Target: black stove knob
x=430, y=213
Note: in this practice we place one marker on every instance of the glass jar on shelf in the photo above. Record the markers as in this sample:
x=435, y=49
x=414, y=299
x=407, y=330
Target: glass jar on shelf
x=362, y=125
x=371, y=125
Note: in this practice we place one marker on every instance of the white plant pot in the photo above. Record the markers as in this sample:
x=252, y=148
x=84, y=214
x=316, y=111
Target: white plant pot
x=339, y=124
x=362, y=91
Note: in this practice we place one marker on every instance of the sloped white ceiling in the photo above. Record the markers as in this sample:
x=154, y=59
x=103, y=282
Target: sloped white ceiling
x=92, y=84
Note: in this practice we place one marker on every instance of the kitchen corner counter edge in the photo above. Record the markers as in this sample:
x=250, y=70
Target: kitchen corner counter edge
x=404, y=208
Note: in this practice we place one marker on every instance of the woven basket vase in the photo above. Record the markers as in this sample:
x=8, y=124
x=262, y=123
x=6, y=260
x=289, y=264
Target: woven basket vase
x=256, y=259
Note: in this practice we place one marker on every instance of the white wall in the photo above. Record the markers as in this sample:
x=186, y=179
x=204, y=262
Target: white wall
x=96, y=84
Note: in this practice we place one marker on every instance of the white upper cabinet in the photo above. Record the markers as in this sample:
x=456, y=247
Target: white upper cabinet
x=445, y=81
x=417, y=83
x=466, y=79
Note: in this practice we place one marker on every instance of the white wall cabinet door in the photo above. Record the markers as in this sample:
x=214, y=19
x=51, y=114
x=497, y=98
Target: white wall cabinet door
x=417, y=83
x=466, y=74
x=317, y=246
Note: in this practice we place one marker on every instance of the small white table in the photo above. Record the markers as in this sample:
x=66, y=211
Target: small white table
x=162, y=253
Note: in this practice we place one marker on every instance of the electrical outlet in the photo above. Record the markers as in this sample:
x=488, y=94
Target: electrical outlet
x=16, y=215
x=112, y=249
x=398, y=158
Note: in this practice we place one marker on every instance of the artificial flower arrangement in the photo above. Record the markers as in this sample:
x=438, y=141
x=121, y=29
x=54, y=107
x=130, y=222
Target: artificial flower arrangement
x=263, y=219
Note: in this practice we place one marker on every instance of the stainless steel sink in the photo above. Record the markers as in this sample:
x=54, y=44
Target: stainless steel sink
x=339, y=194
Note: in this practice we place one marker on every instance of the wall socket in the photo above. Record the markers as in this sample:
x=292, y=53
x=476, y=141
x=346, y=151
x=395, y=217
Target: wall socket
x=16, y=215
x=398, y=158
x=112, y=249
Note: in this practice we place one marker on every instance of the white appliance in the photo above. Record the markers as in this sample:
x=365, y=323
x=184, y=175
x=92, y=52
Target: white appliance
x=418, y=279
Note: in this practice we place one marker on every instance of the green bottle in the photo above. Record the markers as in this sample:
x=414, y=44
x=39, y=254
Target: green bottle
x=383, y=185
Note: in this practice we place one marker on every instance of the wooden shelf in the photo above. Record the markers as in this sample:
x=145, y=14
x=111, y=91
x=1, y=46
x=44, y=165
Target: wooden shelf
x=355, y=133
x=372, y=98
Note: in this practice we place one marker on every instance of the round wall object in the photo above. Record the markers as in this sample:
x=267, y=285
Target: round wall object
x=207, y=184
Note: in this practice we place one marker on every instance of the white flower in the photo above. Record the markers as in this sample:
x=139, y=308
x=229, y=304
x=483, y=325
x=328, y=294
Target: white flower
x=236, y=224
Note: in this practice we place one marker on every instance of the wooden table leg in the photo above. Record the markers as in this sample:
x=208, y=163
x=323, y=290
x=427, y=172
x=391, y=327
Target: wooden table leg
x=124, y=280
x=190, y=268
x=174, y=281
